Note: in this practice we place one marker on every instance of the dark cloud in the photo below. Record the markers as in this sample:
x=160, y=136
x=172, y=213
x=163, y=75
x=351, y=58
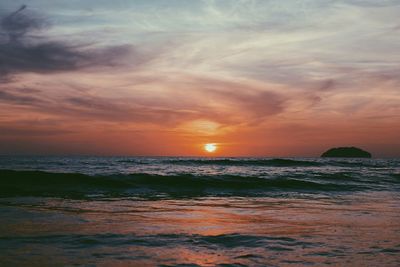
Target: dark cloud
x=22, y=51
x=327, y=85
x=33, y=128
x=17, y=24
x=27, y=90
x=16, y=99
x=123, y=110
x=252, y=102
x=30, y=130
x=260, y=103
x=88, y=107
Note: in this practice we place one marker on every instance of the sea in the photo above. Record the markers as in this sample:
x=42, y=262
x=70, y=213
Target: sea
x=181, y=211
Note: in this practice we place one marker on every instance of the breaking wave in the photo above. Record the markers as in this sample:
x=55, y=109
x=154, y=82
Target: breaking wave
x=39, y=183
x=248, y=162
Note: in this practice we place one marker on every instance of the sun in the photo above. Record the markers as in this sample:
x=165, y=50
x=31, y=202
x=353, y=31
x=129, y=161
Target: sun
x=210, y=147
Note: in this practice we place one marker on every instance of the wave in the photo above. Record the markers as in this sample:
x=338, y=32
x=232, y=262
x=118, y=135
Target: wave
x=134, y=161
x=39, y=183
x=396, y=175
x=359, y=163
x=231, y=240
x=276, y=162
x=247, y=162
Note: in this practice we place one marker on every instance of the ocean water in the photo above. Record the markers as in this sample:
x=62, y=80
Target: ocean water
x=142, y=211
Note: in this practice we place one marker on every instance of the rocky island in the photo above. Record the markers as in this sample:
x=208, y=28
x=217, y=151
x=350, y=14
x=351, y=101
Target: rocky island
x=346, y=152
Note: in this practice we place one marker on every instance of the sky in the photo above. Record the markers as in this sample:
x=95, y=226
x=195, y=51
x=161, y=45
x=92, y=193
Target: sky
x=164, y=77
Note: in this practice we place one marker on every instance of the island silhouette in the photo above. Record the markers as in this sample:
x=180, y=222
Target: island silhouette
x=346, y=152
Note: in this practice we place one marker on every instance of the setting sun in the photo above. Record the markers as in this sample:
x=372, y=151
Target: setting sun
x=210, y=147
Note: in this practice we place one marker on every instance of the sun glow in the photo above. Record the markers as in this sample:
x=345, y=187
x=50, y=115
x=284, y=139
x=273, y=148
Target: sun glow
x=210, y=147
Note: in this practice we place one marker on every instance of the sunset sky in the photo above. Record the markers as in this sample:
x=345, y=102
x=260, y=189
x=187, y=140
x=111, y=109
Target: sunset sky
x=153, y=77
